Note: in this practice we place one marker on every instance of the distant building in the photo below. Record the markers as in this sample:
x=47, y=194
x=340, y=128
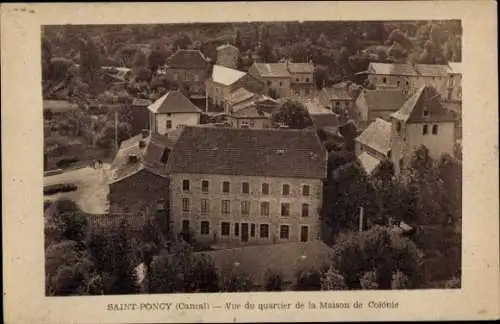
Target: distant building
x=454, y=99
x=234, y=186
x=421, y=120
x=275, y=76
x=379, y=103
x=188, y=69
x=173, y=110
x=225, y=80
x=227, y=55
x=138, y=179
x=337, y=99
x=58, y=108
x=302, y=78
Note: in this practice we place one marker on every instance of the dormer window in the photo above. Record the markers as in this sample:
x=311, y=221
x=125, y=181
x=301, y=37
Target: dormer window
x=426, y=112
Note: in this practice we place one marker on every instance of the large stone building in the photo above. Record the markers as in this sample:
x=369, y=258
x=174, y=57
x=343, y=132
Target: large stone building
x=234, y=186
x=301, y=78
x=275, y=76
x=188, y=69
x=227, y=55
x=422, y=120
x=173, y=110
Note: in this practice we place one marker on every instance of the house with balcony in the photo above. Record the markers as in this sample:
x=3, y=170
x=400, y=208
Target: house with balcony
x=238, y=186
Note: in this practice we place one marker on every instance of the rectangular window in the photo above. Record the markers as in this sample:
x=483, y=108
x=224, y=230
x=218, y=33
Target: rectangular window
x=185, y=225
x=225, y=187
x=286, y=190
x=264, y=208
x=225, y=229
x=245, y=208
x=285, y=209
x=264, y=230
x=434, y=129
x=305, y=190
x=185, y=204
x=304, y=234
x=185, y=185
x=265, y=188
x=204, y=206
x=252, y=230
x=425, y=129
x=204, y=186
x=245, y=187
x=226, y=206
x=205, y=228
x=284, y=232
x=169, y=124
x=305, y=210
x=236, y=229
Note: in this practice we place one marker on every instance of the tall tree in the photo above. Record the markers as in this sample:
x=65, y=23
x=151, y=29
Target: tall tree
x=293, y=114
x=273, y=281
x=332, y=280
x=237, y=39
x=90, y=59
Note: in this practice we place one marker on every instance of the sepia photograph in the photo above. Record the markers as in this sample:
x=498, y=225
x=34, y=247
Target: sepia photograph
x=250, y=162
x=262, y=156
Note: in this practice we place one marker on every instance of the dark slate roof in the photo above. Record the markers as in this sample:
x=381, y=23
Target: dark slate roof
x=381, y=99
x=239, y=95
x=250, y=152
x=377, y=136
x=393, y=69
x=285, y=258
x=187, y=59
x=300, y=67
x=173, y=102
x=432, y=70
x=149, y=157
x=426, y=97
x=277, y=70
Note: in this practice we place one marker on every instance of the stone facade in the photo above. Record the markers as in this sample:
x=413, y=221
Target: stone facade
x=162, y=123
x=138, y=192
x=192, y=81
x=197, y=207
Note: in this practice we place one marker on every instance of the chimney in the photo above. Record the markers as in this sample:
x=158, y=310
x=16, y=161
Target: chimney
x=145, y=133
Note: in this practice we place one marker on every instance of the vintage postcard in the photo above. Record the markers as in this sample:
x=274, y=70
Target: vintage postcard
x=235, y=162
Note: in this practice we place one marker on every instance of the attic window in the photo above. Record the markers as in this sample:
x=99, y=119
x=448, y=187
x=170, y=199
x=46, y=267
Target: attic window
x=426, y=112
x=132, y=159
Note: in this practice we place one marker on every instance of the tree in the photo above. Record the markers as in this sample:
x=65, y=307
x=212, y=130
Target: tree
x=307, y=279
x=156, y=58
x=236, y=280
x=183, y=41
x=124, y=279
x=273, y=281
x=140, y=59
x=399, y=280
x=65, y=221
x=90, y=59
x=371, y=257
x=293, y=114
x=237, y=39
x=266, y=53
x=106, y=137
x=332, y=280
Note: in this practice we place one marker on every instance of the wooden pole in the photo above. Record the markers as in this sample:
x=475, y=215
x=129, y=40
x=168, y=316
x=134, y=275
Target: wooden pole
x=361, y=210
x=116, y=132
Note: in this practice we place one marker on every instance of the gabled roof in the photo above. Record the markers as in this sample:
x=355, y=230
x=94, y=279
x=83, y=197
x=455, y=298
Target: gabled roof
x=425, y=98
x=250, y=152
x=377, y=136
x=315, y=108
x=148, y=151
x=392, y=69
x=224, y=46
x=187, y=59
x=141, y=102
x=239, y=95
x=301, y=67
x=272, y=70
x=368, y=162
x=226, y=76
x=433, y=70
x=173, y=102
x=284, y=258
x=251, y=111
x=381, y=99
x=337, y=93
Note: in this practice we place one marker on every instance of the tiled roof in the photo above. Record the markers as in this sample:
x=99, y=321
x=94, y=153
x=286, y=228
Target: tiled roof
x=251, y=111
x=325, y=120
x=455, y=67
x=300, y=67
x=59, y=105
x=149, y=156
x=316, y=108
x=368, y=162
x=377, y=136
x=187, y=59
x=393, y=69
x=239, y=95
x=266, y=103
x=173, y=102
x=425, y=97
x=285, y=258
x=381, y=99
x=277, y=70
x=433, y=70
x=337, y=93
x=226, y=76
x=250, y=152
x=141, y=102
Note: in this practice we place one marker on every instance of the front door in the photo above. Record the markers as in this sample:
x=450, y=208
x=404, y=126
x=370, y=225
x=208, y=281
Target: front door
x=304, y=234
x=244, y=232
